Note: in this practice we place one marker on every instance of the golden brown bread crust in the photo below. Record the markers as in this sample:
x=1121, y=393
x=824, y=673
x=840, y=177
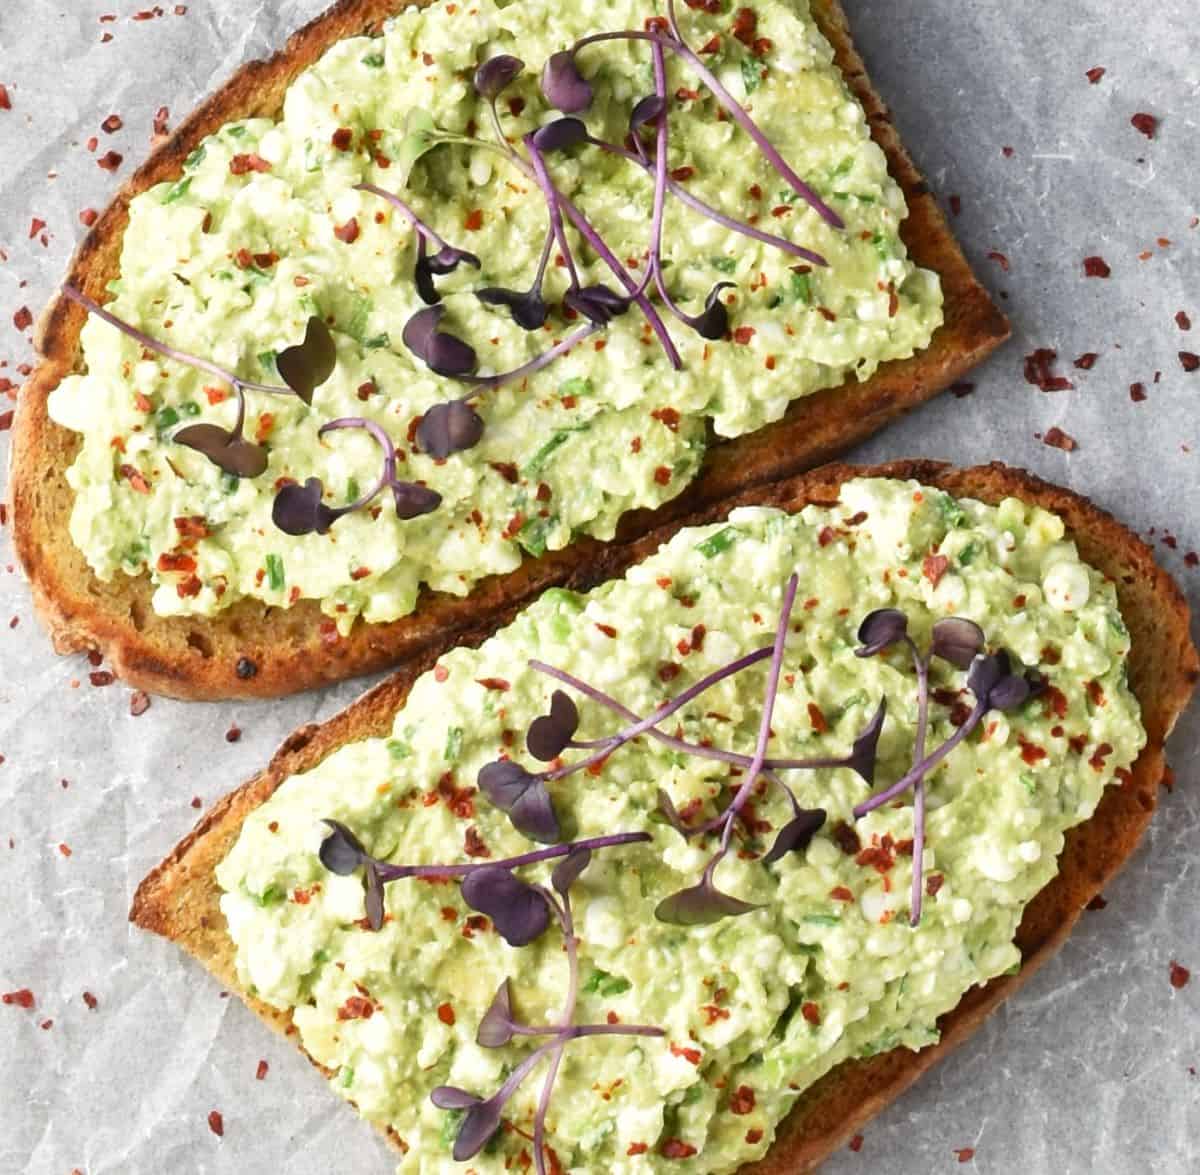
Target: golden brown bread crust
x=179, y=899
x=282, y=650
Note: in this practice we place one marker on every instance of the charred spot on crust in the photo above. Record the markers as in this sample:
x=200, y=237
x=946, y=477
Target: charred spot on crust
x=245, y=669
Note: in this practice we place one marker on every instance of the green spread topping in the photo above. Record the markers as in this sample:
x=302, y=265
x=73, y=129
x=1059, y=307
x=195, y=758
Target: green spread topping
x=277, y=222
x=753, y=1008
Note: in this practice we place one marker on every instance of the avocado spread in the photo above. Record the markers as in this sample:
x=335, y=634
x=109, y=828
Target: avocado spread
x=754, y=1008
x=266, y=228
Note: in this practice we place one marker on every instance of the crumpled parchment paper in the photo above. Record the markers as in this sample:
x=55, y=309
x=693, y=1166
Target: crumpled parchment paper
x=1092, y=1069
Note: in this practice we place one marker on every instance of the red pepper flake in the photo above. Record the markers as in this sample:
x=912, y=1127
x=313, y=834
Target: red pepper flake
x=139, y=703
x=347, y=232
x=445, y=1014
x=682, y=173
x=101, y=677
x=1146, y=123
x=694, y=1056
x=494, y=683
x=22, y=998
x=35, y=226
x=1183, y=321
x=676, y=1148
x=965, y=1153
x=811, y=1012
x=741, y=1101
x=856, y=1143
x=712, y=1014
x=637, y=1148
x=1095, y=74
x=1057, y=439
x=819, y=723
x=879, y=856
x=1000, y=259
x=1096, y=267
x=174, y=561
x=1038, y=371
x=112, y=124
x=1031, y=753
x=440, y=673
x=754, y=1137
x=357, y=1007
x=933, y=567
x=840, y=893
x=242, y=164
x=668, y=671
x=1179, y=975
x=88, y=217
x=473, y=221
x=1189, y=361
x=5, y=100
x=474, y=844
x=1137, y=392
x=662, y=475
x=743, y=335
x=161, y=115
x=6, y=419
x=668, y=417
x=826, y=535
x=260, y=1073
x=846, y=838
x=23, y=319
x=91, y=1001
x=1087, y=360
x=1097, y=903
x=343, y=138
x=933, y=883
x=745, y=25
x=110, y=161
x=1007, y=152
x=607, y=629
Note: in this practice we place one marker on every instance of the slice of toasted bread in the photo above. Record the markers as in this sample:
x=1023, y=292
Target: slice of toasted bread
x=179, y=899
x=252, y=650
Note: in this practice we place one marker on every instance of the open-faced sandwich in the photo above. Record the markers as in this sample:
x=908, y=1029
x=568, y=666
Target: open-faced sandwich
x=397, y=327
x=697, y=871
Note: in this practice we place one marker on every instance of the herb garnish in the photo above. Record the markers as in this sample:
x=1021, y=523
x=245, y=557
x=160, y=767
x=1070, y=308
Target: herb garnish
x=304, y=367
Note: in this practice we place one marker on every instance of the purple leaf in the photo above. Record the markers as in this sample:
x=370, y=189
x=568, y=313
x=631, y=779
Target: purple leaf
x=701, y=905
x=523, y=796
x=496, y=1028
x=496, y=74
x=713, y=321
x=449, y=428
x=373, y=884
x=646, y=112
x=1008, y=693
x=563, y=85
x=450, y=1097
x=560, y=134
x=880, y=630
x=517, y=910
x=230, y=453
x=597, y=303
x=447, y=259
x=446, y=354
x=567, y=871
x=667, y=807
x=478, y=1127
x=309, y=364
x=957, y=640
x=549, y=734
x=862, y=757
x=985, y=673
x=341, y=851
x=527, y=307
x=298, y=509
x=796, y=834
x=427, y=291
x=413, y=500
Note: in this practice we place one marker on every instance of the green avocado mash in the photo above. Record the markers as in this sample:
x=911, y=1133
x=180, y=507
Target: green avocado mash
x=754, y=1008
x=266, y=229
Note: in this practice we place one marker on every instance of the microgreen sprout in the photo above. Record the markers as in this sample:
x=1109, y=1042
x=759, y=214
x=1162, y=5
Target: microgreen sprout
x=499, y=1026
x=991, y=678
x=298, y=509
x=304, y=367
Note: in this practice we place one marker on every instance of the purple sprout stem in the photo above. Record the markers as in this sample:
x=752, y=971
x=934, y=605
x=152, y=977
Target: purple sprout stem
x=398, y=872
x=921, y=665
x=388, y=477
x=553, y=203
x=169, y=352
x=921, y=769
x=535, y=364
x=677, y=46
x=764, y=726
x=407, y=212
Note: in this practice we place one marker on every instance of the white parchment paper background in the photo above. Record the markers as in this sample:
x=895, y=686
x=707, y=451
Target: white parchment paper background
x=1091, y=1069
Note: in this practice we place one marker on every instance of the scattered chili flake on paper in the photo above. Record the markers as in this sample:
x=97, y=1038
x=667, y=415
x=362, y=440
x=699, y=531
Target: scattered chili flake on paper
x=216, y=1123
x=1137, y=392
x=1057, y=439
x=23, y=319
x=1096, y=267
x=1095, y=74
x=1189, y=360
x=1146, y=123
x=1039, y=373
x=21, y=998
x=1179, y=975
x=964, y=1153
x=139, y=703
x=110, y=161
x=261, y=1072
x=91, y=1001
x=1087, y=360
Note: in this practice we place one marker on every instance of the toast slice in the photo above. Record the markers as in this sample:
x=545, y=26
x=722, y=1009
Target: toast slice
x=179, y=899
x=252, y=650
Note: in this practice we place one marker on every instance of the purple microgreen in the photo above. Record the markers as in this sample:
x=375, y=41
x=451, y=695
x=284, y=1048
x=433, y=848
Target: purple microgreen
x=412, y=500
x=957, y=640
x=341, y=852
x=309, y=364
x=666, y=806
x=448, y=428
x=496, y=74
x=497, y=1028
x=713, y=321
x=563, y=86
x=527, y=307
x=517, y=910
x=523, y=796
x=796, y=835
x=553, y=205
x=443, y=353
x=228, y=451
x=550, y=734
x=597, y=303
x=450, y=1097
x=559, y=135
x=646, y=112
x=568, y=870
x=863, y=756
x=373, y=903
x=298, y=509
x=880, y=630
x=702, y=904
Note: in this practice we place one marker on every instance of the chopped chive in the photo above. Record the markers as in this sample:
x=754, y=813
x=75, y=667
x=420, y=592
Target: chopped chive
x=275, y=574
x=716, y=543
x=454, y=741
